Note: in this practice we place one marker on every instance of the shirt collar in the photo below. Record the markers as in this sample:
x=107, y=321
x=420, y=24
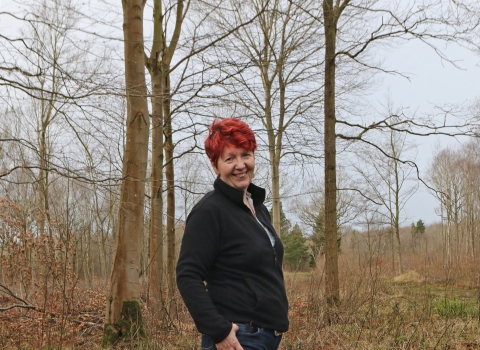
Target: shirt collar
x=236, y=195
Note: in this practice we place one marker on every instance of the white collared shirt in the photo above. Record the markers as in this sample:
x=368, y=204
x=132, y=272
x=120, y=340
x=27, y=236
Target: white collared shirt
x=270, y=235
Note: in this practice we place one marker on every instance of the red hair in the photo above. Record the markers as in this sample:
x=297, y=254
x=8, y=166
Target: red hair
x=228, y=132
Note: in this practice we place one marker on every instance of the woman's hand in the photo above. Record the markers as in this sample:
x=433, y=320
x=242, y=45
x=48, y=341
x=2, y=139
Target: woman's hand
x=230, y=342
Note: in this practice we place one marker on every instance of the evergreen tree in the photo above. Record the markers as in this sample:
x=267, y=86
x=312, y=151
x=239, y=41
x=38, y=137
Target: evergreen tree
x=317, y=238
x=285, y=224
x=420, y=229
x=296, y=250
x=294, y=244
x=417, y=230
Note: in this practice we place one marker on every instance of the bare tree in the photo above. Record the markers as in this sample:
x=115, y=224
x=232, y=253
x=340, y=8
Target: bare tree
x=177, y=83
x=471, y=212
x=310, y=209
x=57, y=85
x=51, y=80
x=190, y=183
x=351, y=29
x=158, y=65
x=453, y=174
x=386, y=179
x=274, y=78
x=123, y=317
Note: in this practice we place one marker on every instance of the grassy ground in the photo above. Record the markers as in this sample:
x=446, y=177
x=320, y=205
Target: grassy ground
x=375, y=314
x=384, y=314
x=377, y=311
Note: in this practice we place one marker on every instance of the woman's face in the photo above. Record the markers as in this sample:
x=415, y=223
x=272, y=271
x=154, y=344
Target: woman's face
x=235, y=167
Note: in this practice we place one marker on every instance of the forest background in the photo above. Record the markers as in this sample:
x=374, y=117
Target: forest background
x=105, y=110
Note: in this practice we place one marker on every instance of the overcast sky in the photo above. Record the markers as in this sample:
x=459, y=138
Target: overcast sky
x=432, y=82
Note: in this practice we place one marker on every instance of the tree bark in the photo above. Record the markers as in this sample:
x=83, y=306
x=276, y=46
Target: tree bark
x=156, y=206
x=159, y=67
x=170, y=177
x=397, y=205
x=123, y=316
x=331, y=249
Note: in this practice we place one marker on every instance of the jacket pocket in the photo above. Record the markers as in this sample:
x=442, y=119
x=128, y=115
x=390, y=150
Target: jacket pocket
x=256, y=298
x=242, y=300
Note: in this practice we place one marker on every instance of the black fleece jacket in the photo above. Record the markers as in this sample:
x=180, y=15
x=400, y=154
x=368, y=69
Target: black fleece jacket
x=225, y=246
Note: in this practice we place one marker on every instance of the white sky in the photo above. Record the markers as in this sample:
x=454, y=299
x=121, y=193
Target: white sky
x=432, y=82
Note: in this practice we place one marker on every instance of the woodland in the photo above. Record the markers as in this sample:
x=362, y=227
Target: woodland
x=106, y=105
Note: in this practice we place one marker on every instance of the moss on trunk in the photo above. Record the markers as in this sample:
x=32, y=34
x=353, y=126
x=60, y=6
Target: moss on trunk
x=129, y=326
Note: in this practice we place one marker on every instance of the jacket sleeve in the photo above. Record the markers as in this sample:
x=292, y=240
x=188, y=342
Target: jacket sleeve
x=200, y=246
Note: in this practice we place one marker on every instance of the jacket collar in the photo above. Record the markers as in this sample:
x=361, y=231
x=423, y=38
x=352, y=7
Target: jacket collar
x=236, y=195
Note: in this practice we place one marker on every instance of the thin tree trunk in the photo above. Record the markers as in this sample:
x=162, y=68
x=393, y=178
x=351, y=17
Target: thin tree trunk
x=159, y=67
x=277, y=144
x=170, y=177
x=156, y=210
x=275, y=168
x=156, y=207
x=273, y=153
x=90, y=255
x=392, y=248
x=397, y=205
x=44, y=183
x=399, y=247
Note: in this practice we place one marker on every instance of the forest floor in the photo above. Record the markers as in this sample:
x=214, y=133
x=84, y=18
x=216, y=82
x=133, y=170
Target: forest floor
x=408, y=311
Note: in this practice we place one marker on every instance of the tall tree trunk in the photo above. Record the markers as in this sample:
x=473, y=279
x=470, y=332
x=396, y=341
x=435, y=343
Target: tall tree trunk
x=332, y=291
x=123, y=317
x=275, y=168
x=44, y=207
x=170, y=177
x=392, y=247
x=273, y=152
x=397, y=211
x=44, y=181
x=159, y=67
x=276, y=143
x=156, y=207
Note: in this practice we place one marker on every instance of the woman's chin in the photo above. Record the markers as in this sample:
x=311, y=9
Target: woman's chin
x=240, y=183
x=243, y=184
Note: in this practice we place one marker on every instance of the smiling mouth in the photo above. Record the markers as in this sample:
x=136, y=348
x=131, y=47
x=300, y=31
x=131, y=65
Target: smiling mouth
x=241, y=176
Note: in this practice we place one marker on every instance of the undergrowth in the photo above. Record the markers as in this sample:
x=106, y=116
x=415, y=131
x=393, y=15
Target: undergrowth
x=373, y=314
x=428, y=307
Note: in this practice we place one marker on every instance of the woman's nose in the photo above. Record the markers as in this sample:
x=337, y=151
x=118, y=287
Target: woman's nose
x=240, y=164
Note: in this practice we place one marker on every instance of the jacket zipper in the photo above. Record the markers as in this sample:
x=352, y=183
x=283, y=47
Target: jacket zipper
x=265, y=229
x=273, y=246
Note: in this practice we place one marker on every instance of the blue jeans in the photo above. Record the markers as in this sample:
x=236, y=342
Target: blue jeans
x=250, y=338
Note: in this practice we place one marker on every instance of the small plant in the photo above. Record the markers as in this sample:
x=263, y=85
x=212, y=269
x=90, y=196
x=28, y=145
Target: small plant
x=451, y=307
x=401, y=339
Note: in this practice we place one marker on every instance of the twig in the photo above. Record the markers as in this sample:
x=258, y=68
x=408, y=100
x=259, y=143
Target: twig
x=20, y=306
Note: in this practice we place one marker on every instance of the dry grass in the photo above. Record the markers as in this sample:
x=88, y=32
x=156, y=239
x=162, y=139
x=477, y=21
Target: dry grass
x=381, y=314
x=428, y=307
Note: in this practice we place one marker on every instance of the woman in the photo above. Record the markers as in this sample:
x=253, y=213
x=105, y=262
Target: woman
x=229, y=270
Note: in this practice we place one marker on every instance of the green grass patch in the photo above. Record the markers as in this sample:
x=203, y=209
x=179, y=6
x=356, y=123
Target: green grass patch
x=453, y=307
